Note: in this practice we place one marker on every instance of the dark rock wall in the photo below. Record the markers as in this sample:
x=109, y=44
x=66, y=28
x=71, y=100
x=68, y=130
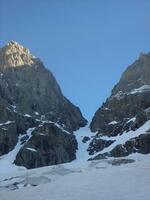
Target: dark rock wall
x=50, y=145
x=30, y=95
x=130, y=99
x=124, y=104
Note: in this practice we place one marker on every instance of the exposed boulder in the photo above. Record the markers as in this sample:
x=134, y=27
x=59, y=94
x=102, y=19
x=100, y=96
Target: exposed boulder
x=49, y=145
x=139, y=144
x=119, y=151
x=85, y=139
x=98, y=145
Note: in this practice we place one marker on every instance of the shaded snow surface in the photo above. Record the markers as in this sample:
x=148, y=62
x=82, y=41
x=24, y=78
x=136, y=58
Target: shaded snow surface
x=98, y=181
x=79, y=180
x=7, y=166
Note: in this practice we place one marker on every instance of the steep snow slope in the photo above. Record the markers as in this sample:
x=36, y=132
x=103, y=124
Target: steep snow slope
x=82, y=153
x=126, y=136
x=7, y=166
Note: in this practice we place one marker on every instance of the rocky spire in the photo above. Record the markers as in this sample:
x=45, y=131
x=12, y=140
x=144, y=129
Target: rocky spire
x=31, y=97
x=15, y=55
x=29, y=76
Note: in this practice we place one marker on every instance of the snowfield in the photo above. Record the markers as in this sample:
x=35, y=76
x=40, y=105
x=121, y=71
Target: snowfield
x=98, y=181
x=108, y=179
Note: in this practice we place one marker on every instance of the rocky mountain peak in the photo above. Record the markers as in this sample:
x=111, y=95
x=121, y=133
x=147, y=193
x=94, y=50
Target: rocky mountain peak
x=135, y=76
x=134, y=84
x=17, y=85
x=15, y=55
x=125, y=112
x=143, y=55
x=31, y=100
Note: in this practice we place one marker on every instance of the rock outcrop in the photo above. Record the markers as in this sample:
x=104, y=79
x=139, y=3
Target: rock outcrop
x=30, y=96
x=8, y=137
x=48, y=145
x=27, y=86
x=139, y=144
x=128, y=107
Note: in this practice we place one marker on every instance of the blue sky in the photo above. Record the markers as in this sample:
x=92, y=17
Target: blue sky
x=87, y=44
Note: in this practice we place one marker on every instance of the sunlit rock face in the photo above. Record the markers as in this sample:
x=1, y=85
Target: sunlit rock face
x=29, y=96
x=14, y=55
x=32, y=89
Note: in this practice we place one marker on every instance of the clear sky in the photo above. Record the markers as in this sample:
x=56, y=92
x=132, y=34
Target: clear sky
x=87, y=44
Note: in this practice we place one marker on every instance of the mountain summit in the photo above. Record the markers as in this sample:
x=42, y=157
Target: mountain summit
x=125, y=114
x=31, y=99
x=25, y=75
x=15, y=55
x=135, y=76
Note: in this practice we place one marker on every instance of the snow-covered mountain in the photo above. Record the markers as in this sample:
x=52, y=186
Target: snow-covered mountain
x=122, y=123
x=107, y=159
x=31, y=101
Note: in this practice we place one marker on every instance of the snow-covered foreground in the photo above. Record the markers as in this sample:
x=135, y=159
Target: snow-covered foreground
x=79, y=180
x=98, y=181
x=8, y=169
